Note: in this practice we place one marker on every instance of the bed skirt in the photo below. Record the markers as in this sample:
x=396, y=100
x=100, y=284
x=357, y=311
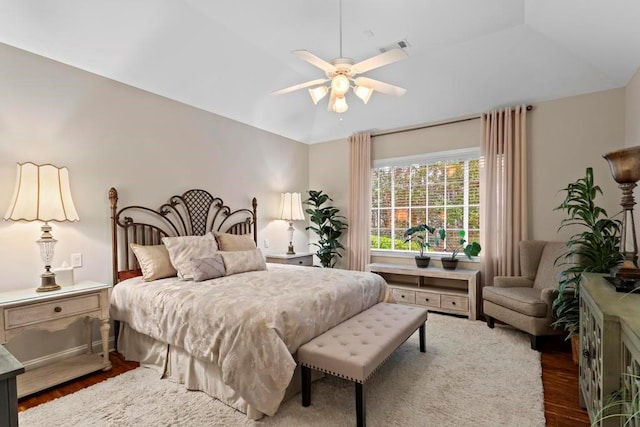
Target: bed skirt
x=175, y=364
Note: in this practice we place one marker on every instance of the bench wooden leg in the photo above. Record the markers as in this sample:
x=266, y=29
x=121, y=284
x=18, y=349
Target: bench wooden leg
x=422, y=333
x=306, y=385
x=361, y=415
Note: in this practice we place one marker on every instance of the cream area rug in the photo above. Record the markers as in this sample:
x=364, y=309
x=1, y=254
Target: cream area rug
x=470, y=376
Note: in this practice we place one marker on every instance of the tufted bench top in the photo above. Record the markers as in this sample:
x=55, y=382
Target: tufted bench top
x=356, y=348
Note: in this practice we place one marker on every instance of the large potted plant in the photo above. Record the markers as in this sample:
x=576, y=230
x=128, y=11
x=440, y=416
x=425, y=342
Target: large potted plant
x=594, y=248
x=420, y=235
x=328, y=225
x=470, y=250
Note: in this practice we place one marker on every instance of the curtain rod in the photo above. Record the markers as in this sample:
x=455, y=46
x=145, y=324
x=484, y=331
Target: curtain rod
x=391, y=132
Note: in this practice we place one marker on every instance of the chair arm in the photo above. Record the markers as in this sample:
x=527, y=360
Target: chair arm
x=548, y=295
x=512, y=282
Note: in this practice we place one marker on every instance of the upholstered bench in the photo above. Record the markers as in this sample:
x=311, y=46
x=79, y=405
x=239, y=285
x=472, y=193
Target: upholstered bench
x=357, y=347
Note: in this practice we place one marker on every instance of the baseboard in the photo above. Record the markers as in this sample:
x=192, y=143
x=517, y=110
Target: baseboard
x=96, y=346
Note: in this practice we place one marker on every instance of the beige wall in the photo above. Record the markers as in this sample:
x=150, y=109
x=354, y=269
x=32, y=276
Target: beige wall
x=147, y=146
x=632, y=111
x=329, y=172
x=632, y=125
x=564, y=137
x=432, y=139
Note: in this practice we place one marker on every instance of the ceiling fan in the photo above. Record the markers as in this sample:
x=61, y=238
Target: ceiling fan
x=342, y=72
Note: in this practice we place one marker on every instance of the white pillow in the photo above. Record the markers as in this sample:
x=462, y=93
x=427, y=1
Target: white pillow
x=242, y=261
x=183, y=249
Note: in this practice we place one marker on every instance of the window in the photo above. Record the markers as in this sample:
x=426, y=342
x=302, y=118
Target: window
x=439, y=189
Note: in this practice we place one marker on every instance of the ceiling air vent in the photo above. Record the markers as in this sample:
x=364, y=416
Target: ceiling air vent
x=400, y=44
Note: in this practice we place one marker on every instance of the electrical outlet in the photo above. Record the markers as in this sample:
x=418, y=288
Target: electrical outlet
x=76, y=260
x=266, y=243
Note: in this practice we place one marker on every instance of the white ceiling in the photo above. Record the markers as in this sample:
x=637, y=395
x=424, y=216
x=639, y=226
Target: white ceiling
x=227, y=56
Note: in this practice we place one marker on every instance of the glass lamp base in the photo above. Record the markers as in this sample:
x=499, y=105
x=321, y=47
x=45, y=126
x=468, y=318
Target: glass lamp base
x=48, y=283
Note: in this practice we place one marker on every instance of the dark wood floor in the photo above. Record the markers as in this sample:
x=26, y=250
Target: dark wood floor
x=560, y=383
x=559, y=379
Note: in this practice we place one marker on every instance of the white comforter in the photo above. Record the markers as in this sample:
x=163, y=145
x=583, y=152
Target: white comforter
x=249, y=324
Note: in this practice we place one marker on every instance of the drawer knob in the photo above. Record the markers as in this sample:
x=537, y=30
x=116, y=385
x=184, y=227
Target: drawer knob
x=426, y=299
x=57, y=309
x=299, y=262
x=453, y=303
x=401, y=296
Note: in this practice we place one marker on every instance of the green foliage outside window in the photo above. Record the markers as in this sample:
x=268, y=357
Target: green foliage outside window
x=434, y=194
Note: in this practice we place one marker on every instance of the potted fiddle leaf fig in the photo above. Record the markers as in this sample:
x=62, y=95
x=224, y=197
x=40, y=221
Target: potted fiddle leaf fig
x=470, y=250
x=420, y=235
x=328, y=224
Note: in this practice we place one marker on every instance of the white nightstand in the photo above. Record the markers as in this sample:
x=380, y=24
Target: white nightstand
x=25, y=309
x=297, y=259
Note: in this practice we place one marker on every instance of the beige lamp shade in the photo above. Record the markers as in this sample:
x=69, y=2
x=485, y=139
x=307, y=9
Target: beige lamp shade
x=291, y=207
x=41, y=193
x=291, y=210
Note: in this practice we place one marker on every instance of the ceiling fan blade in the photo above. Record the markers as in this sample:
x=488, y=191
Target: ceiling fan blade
x=386, y=58
x=300, y=86
x=379, y=86
x=314, y=60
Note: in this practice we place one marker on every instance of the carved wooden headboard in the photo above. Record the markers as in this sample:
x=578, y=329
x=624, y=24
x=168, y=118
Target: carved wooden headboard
x=194, y=213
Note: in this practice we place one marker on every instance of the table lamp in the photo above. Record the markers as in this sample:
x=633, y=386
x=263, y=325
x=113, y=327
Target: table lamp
x=291, y=210
x=42, y=193
x=625, y=169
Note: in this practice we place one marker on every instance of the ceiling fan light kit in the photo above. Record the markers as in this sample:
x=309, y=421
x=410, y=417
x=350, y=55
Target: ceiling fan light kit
x=341, y=73
x=340, y=84
x=340, y=105
x=363, y=93
x=317, y=93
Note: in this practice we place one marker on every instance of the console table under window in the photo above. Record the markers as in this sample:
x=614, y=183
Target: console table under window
x=461, y=298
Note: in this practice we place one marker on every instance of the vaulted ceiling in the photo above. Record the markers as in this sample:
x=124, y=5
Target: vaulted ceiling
x=227, y=56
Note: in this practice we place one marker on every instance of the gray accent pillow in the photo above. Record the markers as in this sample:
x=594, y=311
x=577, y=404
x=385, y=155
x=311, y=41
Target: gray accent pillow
x=207, y=268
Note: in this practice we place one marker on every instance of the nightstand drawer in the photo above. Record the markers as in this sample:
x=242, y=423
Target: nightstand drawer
x=15, y=317
x=404, y=296
x=454, y=302
x=305, y=259
x=429, y=299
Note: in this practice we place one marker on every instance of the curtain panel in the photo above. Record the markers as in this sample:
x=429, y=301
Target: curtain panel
x=359, y=217
x=503, y=191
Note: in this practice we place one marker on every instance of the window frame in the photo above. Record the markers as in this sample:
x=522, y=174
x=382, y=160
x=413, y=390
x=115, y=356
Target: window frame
x=464, y=154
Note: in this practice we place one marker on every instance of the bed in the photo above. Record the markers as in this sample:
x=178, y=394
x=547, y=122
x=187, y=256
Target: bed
x=232, y=335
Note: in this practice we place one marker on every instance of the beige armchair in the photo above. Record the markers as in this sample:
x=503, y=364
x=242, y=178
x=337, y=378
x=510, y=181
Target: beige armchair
x=525, y=301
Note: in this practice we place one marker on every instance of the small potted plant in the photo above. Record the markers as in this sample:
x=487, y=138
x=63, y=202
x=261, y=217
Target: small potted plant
x=471, y=250
x=420, y=235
